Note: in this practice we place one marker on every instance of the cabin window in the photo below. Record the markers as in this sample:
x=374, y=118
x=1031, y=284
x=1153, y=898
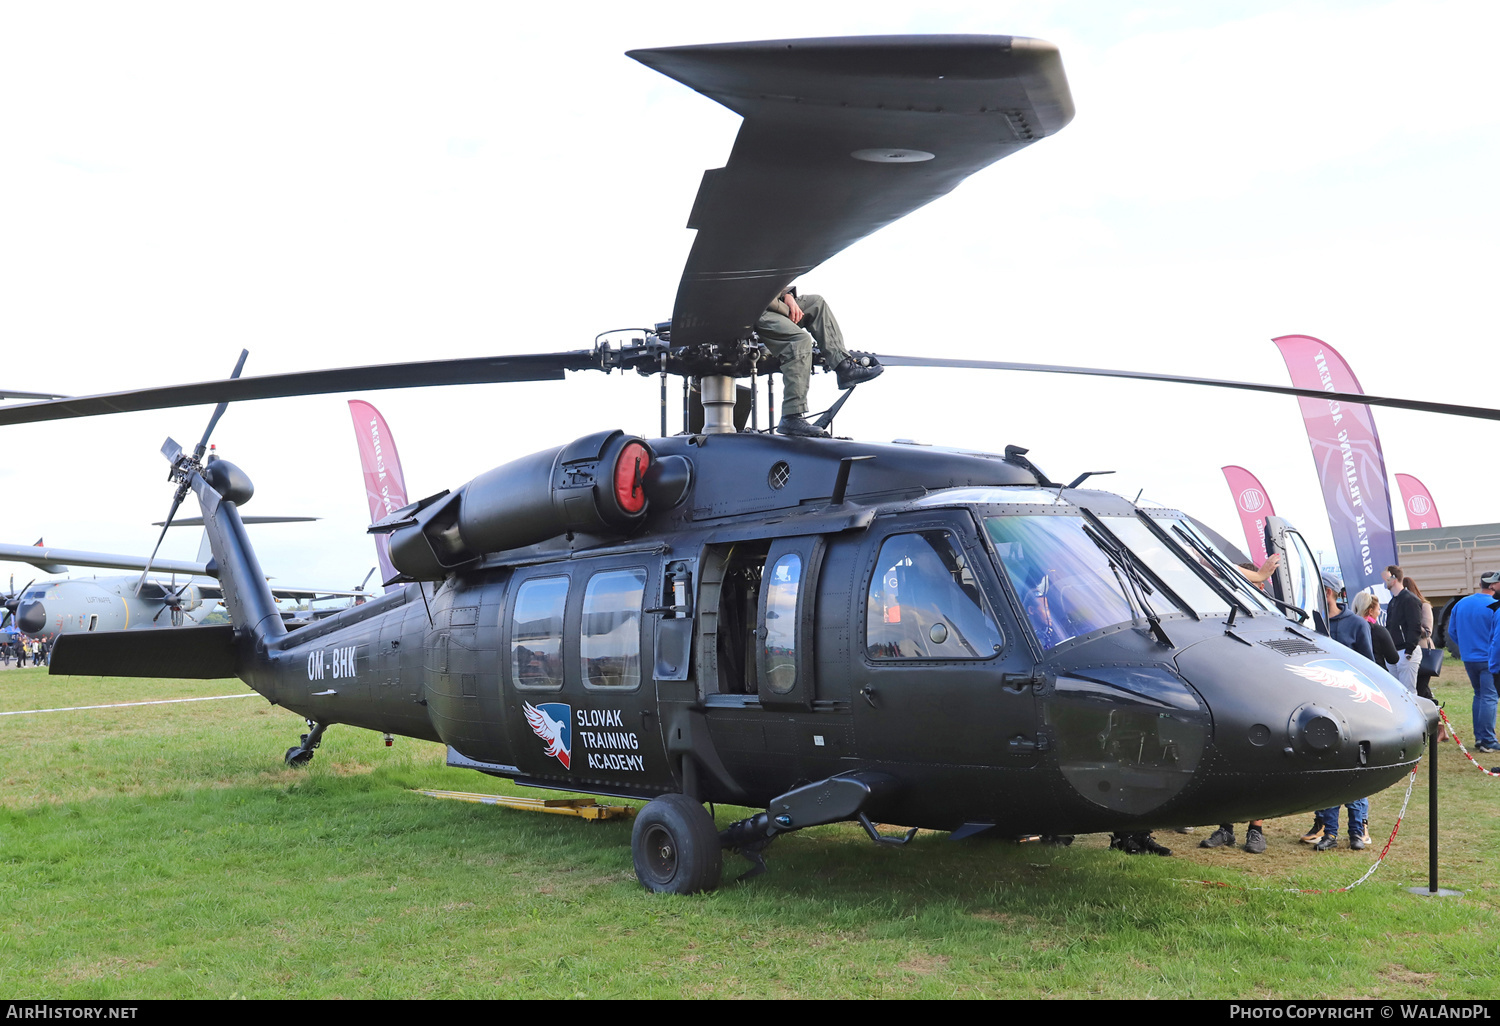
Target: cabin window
x=925, y=603
x=536, y=631
x=610, y=641
x=781, y=624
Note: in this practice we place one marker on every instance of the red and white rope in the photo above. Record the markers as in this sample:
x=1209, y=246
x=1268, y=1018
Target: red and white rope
x=1395, y=829
x=1453, y=733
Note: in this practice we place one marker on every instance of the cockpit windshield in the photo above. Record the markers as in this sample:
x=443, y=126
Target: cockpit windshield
x=1062, y=576
x=1070, y=577
x=1163, y=560
x=1197, y=548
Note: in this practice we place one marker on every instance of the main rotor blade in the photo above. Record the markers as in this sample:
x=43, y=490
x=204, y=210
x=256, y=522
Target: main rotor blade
x=477, y=370
x=246, y=519
x=1422, y=406
x=841, y=137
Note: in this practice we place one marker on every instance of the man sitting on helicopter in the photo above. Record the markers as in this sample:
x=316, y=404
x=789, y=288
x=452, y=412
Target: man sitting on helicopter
x=788, y=328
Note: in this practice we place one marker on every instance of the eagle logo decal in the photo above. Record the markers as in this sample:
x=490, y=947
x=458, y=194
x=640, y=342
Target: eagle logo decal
x=1335, y=673
x=550, y=722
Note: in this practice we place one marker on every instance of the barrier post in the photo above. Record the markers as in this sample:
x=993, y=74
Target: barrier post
x=1432, y=890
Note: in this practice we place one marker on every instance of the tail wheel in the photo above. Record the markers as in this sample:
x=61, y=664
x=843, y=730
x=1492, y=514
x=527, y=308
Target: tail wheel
x=675, y=846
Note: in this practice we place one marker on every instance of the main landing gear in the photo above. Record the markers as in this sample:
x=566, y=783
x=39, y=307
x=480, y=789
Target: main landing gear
x=675, y=846
x=301, y=755
x=678, y=850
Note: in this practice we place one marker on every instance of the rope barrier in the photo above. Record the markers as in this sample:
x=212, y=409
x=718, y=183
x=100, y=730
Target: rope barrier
x=1453, y=733
x=1405, y=801
x=1395, y=829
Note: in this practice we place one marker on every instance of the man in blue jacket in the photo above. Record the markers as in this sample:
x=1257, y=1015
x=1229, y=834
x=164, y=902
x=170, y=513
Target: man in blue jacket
x=1471, y=626
x=1343, y=625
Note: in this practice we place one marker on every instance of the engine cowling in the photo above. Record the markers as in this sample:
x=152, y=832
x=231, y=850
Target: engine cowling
x=602, y=485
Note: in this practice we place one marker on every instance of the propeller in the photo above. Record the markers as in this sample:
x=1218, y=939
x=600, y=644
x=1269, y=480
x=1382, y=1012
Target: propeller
x=173, y=600
x=173, y=452
x=12, y=600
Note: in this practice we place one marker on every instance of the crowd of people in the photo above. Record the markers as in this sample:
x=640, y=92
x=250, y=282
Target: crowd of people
x=24, y=651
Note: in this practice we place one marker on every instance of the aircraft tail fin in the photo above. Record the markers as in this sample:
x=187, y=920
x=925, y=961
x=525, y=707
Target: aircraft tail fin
x=385, y=484
x=247, y=593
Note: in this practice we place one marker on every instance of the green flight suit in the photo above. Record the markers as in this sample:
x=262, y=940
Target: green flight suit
x=792, y=344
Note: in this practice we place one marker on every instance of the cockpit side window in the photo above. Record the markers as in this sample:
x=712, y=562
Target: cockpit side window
x=924, y=602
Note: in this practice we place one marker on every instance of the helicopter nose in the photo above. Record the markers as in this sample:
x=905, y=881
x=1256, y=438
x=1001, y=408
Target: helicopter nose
x=1305, y=723
x=32, y=617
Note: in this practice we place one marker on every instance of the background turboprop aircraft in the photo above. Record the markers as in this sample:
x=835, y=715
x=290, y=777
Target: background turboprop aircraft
x=50, y=608
x=187, y=595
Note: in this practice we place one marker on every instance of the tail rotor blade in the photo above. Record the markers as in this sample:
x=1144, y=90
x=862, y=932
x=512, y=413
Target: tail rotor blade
x=176, y=502
x=173, y=452
x=219, y=410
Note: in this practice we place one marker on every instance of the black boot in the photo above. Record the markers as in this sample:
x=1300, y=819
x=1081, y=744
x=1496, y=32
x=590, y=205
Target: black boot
x=797, y=426
x=1138, y=844
x=1220, y=837
x=856, y=370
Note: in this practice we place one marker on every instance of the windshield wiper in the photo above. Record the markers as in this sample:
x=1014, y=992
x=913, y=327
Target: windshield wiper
x=1136, y=592
x=1231, y=573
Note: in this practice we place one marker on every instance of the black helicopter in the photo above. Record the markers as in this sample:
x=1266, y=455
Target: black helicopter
x=825, y=629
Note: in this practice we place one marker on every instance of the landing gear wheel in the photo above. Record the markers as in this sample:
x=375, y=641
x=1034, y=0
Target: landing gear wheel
x=301, y=755
x=675, y=846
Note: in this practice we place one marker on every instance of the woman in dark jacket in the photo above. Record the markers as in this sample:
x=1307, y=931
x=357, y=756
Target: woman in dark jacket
x=1368, y=606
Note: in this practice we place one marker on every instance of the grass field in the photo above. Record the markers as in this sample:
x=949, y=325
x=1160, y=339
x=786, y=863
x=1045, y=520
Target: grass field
x=163, y=851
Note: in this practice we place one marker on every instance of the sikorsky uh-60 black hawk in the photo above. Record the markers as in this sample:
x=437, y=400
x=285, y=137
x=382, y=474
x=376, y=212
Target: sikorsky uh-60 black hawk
x=820, y=628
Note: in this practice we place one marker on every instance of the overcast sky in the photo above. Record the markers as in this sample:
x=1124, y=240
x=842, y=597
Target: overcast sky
x=331, y=184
